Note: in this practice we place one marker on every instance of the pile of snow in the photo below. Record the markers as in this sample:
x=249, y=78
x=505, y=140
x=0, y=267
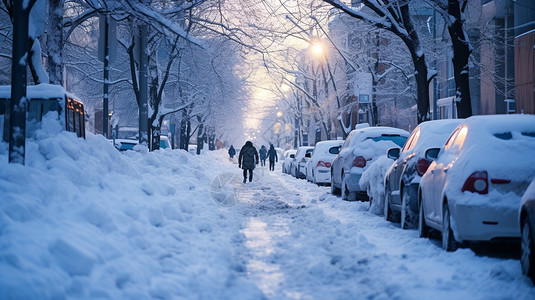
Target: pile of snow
x=81, y=220
x=373, y=181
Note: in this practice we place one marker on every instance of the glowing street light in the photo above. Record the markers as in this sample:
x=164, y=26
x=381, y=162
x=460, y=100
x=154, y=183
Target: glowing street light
x=317, y=49
x=279, y=114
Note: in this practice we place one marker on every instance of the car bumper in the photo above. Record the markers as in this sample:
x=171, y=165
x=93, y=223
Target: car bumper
x=473, y=222
x=301, y=172
x=353, y=182
x=322, y=175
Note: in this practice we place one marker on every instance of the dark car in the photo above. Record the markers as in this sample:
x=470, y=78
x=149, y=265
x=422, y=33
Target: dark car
x=527, y=231
x=402, y=180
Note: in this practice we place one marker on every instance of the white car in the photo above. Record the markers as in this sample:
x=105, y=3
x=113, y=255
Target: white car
x=289, y=155
x=472, y=189
x=361, y=148
x=527, y=232
x=402, y=179
x=318, y=168
x=297, y=167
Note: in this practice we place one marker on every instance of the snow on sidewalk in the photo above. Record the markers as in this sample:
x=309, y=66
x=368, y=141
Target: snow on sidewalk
x=299, y=242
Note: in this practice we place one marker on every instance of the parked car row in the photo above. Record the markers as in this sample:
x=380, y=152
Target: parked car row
x=466, y=179
x=312, y=163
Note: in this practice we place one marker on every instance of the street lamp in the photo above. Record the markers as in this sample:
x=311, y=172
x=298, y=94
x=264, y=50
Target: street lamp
x=317, y=49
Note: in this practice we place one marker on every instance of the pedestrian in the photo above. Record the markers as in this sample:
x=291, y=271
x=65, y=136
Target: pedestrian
x=263, y=155
x=272, y=154
x=231, y=152
x=247, y=159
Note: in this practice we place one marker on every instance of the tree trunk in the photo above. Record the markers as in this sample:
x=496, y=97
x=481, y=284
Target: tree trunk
x=155, y=137
x=412, y=41
x=188, y=134
x=200, y=141
x=16, y=110
x=461, y=54
x=142, y=100
x=54, y=45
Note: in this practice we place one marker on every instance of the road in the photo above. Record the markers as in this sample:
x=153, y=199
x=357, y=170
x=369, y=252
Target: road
x=297, y=241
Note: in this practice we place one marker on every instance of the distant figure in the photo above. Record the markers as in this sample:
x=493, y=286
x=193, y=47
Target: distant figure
x=247, y=159
x=231, y=152
x=272, y=154
x=263, y=155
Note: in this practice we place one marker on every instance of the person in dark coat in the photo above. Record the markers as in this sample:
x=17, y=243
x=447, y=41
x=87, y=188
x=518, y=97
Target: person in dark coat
x=231, y=152
x=263, y=155
x=247, y=159
x=272, y=154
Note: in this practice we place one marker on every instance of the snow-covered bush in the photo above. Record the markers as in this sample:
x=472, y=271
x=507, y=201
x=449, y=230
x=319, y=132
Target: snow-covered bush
x=373, y=180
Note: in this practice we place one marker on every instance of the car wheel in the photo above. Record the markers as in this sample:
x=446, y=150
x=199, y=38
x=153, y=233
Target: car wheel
x=389, y=215
x=334, y=189
x=423, y=230
x=528, y=253
x=448, y=239
x=407, y=216
x=346, y=194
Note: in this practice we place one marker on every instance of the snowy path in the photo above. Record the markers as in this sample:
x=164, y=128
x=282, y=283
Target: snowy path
x=299, y=242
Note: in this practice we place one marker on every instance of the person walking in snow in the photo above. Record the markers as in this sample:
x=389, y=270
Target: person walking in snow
x=247, y=160
x=263, y=155
x=231, y=152
x=272, y=154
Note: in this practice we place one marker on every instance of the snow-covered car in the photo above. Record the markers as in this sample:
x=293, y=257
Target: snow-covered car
x=125, y=144
x=289, y=156
x=192, y=149
x=402, y=180
x=472, y=189
x=361, y=148
x=318, y=167
x=527, y=231
x=297, y=167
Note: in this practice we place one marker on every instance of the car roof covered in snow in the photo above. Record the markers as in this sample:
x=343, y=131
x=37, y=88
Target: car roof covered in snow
x=359, y=135
x=324, y=146
x=434, y=134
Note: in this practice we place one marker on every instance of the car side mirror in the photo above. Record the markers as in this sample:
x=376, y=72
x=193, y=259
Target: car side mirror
x=308, y=155
x=292, y=155
x=393, y=153
x=432, y=153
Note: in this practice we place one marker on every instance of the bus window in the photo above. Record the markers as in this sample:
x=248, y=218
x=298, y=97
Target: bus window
x=74, y=114
x=69, y=116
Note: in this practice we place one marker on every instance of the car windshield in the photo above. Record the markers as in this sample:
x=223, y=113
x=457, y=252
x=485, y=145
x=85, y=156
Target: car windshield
x=127, y=146
x=397, y=139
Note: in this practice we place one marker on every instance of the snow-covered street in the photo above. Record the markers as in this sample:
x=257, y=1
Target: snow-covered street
x=300, y=242
x=83, y=221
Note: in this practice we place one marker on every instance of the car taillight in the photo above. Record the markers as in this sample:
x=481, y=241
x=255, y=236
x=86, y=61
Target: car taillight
x=359, y=162
x=421, y=166
x=325, y=164
x=477, y=182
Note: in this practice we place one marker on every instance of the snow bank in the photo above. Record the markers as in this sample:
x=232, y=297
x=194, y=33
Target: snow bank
x=373, y=180
x=82, y=220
